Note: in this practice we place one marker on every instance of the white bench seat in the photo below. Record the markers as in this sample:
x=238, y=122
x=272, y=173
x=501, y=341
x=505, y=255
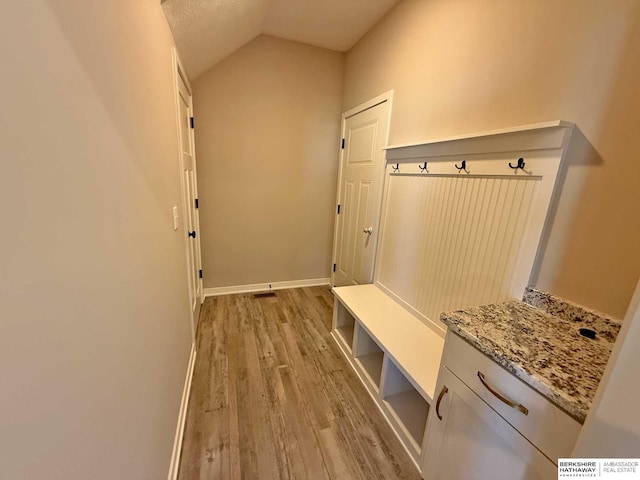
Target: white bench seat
x=414, y=347
x=395, y=355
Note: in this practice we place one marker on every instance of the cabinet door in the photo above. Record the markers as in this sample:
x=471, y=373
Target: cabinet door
x=473, y=442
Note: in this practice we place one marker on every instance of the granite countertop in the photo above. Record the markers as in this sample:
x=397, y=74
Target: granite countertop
x=538, y=340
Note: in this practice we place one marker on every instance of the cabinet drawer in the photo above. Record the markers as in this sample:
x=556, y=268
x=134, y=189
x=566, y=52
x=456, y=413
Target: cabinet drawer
x=467, y=440
x=546, y=426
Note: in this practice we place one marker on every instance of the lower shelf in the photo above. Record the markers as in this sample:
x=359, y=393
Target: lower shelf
x=346, y=334
x=411, y=410
x=372, y=364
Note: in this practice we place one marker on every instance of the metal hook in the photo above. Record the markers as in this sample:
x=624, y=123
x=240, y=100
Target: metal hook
x=519, y=165
x=463, y=167
x=423, y=168
x=396, y=168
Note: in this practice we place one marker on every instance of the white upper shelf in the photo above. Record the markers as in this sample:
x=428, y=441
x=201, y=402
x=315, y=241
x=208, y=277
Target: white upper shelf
x=537, y=136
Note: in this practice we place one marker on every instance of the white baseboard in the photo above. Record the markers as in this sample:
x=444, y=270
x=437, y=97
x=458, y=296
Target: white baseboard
x=182, y=416
x=261, y=287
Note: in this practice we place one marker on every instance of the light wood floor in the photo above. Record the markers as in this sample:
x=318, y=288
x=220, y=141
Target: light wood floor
x=273, y=398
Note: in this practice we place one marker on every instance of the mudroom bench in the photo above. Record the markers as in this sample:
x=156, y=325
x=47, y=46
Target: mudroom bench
x=396, y=356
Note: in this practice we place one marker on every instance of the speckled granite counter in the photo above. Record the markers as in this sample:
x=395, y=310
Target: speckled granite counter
x=542, y=346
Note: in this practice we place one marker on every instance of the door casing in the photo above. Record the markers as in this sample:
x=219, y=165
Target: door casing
x=180, y=75
x=385, y=97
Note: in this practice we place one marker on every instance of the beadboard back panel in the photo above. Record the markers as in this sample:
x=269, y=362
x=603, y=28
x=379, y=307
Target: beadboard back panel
x=454, y=237
x=459, y=241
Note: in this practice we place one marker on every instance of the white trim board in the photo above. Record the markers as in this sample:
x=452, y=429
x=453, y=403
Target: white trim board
x=486, y=133
x=525, y=139
x=261, y=287
x=182, y=416
x=372, y=102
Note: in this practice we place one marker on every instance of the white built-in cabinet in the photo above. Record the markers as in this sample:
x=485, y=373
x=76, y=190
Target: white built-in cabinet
x=488, y=424
x=470, y=441
x=395, y=355
x=458, y=414
x=462, y=222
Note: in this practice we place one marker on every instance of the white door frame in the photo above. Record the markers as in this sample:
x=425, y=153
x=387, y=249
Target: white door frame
x=180, y=73
x=388, y=97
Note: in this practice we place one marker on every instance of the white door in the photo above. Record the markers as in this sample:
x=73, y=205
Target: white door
x=473, y=442
x=360, y=194
x=191, y=224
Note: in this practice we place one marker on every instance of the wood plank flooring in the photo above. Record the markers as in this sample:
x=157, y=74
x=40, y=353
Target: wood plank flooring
x=273, y=398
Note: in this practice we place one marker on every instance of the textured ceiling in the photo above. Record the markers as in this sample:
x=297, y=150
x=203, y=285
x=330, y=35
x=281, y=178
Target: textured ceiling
x=206, y=31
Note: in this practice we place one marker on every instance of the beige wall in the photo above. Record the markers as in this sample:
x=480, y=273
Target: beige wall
x=267, y=129
x=464, y=66
x=94, y=324
x=612, y=428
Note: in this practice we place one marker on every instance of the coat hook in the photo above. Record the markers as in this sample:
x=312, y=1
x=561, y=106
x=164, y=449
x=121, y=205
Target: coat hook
x=423, y=168
x=463, y=167
x=519, y=165
x=396, y=168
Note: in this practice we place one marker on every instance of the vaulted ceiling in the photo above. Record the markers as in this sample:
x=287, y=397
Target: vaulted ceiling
x=206, y=31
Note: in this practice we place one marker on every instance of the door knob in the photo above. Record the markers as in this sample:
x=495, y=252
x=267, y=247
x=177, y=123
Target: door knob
x=192, y=234
x=368, y=231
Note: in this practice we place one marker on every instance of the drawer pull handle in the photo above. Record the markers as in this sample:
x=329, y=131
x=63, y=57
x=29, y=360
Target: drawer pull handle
x=511, y=403
x=442, y=392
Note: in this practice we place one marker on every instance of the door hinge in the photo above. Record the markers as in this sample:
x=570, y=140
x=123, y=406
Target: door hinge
x=196, y=202
x=334, y=267
x=200, y=273
x=192, y=122
x=338, y=209
x=342, y=145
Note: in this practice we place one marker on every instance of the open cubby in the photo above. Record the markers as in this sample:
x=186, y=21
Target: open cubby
x=344, y=325
x=369, y=355
x=405, y=402
x=396, y=356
